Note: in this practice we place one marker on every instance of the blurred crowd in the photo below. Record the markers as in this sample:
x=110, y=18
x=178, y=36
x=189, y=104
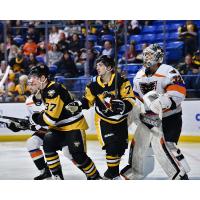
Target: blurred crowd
x=68, y=50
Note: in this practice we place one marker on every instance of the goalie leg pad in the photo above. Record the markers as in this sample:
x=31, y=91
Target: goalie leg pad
x=166, y=159
x=179, y=156
x=142, y=162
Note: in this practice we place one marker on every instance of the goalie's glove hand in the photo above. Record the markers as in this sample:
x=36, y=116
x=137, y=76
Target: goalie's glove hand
x=74, y=107
x=118, y=106
x=162, y=102
x=13, y=127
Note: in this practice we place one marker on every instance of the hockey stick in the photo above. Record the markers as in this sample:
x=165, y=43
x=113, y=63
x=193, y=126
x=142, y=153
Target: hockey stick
x=116, y=80
x=5, y=76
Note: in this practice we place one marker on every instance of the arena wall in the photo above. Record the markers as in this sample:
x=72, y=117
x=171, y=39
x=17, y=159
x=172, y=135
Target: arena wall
x=190, y=130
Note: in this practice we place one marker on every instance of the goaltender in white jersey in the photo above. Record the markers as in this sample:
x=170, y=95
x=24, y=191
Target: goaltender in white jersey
x=160, y=90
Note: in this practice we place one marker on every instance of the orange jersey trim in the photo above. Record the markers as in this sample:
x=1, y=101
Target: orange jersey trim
x=159, y=75
x=177, y=88
x=36, y=153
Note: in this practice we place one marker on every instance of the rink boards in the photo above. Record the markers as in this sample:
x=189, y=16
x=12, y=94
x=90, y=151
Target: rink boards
x=190, y=129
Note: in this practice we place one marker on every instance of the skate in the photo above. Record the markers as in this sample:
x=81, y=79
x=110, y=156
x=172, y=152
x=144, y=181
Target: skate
x=108, y=176
x=45, y=175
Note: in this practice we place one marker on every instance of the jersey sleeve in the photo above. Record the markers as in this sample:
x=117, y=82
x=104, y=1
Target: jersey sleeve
x=175, y=86
x=127, y=95
x=88, y=98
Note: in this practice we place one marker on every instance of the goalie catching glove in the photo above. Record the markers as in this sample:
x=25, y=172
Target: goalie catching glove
x=157, y=102
x=74, y=107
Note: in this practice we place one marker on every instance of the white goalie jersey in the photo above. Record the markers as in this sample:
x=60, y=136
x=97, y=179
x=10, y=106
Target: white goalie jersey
x=165, y=80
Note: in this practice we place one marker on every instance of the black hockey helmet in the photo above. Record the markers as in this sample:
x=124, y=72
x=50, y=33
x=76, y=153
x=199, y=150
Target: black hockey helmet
x=106, y=60
x=40, y=70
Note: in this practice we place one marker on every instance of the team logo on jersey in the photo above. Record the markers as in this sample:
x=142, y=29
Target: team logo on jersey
x=147, y=87
x=51, y=93
x=106, y=98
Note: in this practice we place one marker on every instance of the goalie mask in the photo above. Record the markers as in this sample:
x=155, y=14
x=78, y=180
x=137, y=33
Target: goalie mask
x=152, y=55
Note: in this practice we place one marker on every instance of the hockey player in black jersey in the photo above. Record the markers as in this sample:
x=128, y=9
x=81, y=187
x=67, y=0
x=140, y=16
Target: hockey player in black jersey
x=66, y=131
x=111, y=112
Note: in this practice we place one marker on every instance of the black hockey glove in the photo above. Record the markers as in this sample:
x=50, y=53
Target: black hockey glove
x=13, y=127
x=74, y=107
x=118, y=106
x=26, y=125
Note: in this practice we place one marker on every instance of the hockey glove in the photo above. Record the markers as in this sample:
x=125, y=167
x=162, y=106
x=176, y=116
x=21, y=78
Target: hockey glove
x=118, y=106
x=13, y=127
x=74, y=107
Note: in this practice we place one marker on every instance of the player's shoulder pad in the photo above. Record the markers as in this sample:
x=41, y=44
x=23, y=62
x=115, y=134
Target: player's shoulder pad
x=54, y=90
x=140, y=73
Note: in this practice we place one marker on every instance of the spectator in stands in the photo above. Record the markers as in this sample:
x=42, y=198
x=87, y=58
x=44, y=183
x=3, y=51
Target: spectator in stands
x=189, y=34
x=2, y=50
x=130, y=55
x=54, y=55
x=31, y=61
x=33, y=33
x=10, y=87
x=108, y=49
x=75, y=43
x=54, y=35
x=191, y=80
x=19, y=63
x=2, y=68
x=134, y=28
x=12, y=52
x=187, y=66
x=139, y=56
x=196, y=58
x=63, y=44
x=82, y=61
x=66, y=66
x=106, y=30
x=30, y=46
x=41, y=52
x=22, y=90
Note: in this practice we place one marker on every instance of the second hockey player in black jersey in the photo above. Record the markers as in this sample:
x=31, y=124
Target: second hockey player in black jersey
x=111, y=111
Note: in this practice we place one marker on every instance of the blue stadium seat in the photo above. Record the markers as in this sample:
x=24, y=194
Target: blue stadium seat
x=136, y=38
x=148, y=38
x=173, y=36
x=160, y=37
x=53, y=69
x=107, y=37
x=122, y=49
x=92, y=38
x=60, y=79
x=161, y=28
x=40, y=59
x=131, y=68
x=98, y=48
x=174, y=27
x=148, y=29
x=174, y=51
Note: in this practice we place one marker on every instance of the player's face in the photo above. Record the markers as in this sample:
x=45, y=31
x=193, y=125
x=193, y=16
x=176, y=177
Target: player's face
x=34, y=84
x=101, y=69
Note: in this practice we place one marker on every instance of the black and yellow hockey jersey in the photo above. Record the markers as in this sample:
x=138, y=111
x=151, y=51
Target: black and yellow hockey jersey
x=55, y=97
x=99, y=94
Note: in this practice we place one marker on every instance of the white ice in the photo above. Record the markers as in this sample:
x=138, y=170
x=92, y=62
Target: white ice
x=16, y=164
